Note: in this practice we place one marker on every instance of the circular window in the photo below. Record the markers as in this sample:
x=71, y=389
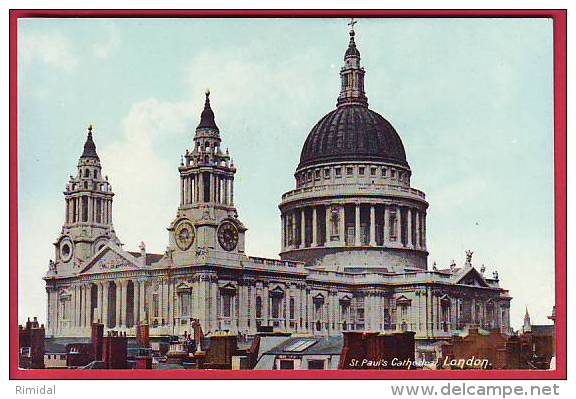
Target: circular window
x=66, y=250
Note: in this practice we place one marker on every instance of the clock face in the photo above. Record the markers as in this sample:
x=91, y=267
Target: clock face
x=66, y=249
x=228, y=236
x=185, y=235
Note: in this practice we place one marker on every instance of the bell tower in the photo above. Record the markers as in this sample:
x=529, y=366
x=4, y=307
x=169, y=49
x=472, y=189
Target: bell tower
x=88, y=215
x=206, y=219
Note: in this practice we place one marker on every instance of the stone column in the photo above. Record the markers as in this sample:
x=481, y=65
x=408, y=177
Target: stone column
x=282, y=232
x=265, y=302
x=136, y=302
x=314, y=227
x=124, y=308
x=293, y=216
x=342, y=222
x=327, y=225
x=90, y=210
x=423, y=238
x=417, y=241
x=105, y=304
x=80, y=209
x=409, y=228
x=297, y=307
x=303, y=228
x=214, y=303
x=252, y=295
x=118, y=320
x=100, y=318
x=164, y=312
x=76, y=305
x=87, y=304
x=398, y=224
x=142, y=302
x=67, y=212
x=372, y=225
x=357, y=226
x=200, y=187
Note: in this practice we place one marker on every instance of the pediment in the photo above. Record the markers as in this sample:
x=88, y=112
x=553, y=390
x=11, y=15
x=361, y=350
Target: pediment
x=471, y=277
x=183, y=286
x=111, y=259
x=403, y=300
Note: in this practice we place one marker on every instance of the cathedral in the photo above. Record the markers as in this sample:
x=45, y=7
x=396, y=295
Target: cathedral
x=353, y=245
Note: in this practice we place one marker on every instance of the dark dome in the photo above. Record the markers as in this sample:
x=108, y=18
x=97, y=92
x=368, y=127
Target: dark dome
x=352, y=133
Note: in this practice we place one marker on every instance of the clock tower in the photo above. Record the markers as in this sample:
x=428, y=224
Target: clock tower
x=88, y=216
x=207, y=220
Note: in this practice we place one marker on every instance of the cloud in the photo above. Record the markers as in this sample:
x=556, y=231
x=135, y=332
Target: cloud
x=111, y=42
x=145, y=182
x=50, y=48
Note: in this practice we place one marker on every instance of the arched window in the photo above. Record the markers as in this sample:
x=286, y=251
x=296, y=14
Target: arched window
x=86, y=173
x=95, y=173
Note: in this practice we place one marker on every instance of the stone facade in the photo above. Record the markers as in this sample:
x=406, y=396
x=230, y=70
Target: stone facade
x=353, y=252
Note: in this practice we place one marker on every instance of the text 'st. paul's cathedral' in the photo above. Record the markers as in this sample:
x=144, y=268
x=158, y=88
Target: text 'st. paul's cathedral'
x=353, y=246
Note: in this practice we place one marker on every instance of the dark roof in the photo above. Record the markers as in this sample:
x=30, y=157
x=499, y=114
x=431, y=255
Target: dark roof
x=353, y=133
x=58, y=344
x=150, y=258
x=322, y=346
x=89, y=147
x=207, y=117
x=543, y=329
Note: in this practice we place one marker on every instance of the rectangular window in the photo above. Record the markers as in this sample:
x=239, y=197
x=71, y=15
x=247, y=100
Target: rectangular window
x=315, y=364
x=338, y=172
x=84, y=209
x=155, y=305
x=206, y=183
x=98, y=210
x=185, y=304
x=349, y=171
x=276, y=307
x=65, y=310
x=373, y=171
x=286, y=364
x=361, y=171
x=360, y=313
x=226, y=305
x=384, y=172
x=317, y=174
x=393, y=173
x=326, y=173
x=292, y=309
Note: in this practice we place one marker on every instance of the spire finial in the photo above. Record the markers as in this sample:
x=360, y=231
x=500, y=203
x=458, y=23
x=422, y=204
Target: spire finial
x=207, y=116
x=89, y=146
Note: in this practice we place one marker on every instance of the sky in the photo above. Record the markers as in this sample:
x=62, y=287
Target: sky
x=471, y=99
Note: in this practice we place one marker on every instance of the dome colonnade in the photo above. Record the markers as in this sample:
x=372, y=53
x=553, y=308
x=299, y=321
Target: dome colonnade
x=353, y=193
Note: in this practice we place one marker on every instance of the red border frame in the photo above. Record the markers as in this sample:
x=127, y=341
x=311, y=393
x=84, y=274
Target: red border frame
x=559, y=22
